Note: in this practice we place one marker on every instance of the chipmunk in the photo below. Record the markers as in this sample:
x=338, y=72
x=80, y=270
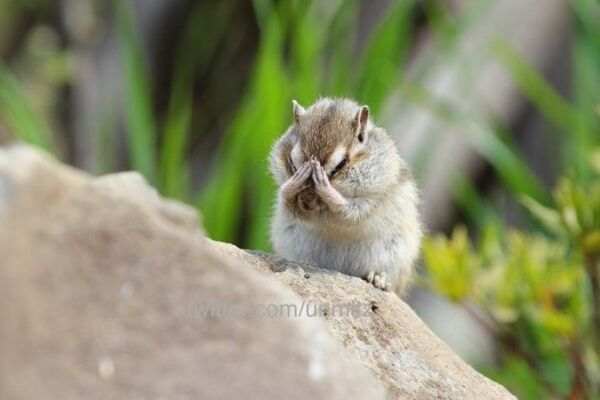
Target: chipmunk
x=346, y=199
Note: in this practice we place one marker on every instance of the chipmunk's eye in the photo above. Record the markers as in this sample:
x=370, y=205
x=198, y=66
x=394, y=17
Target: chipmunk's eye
x=340, y=165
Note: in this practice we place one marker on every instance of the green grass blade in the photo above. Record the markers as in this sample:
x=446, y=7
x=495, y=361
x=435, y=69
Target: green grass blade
x=506, y=161
x=556, y=109
x=384, y=55
x=193, y=52
x=141, y=130
x=440, y=20
x=341, y=38
x=242, y=154
x=22, y=121
x=473, y=205
x=585, y=83
x=306, y=43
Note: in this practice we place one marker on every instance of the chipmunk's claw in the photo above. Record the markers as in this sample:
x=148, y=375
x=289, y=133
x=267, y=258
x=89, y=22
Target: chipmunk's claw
x=378, y=279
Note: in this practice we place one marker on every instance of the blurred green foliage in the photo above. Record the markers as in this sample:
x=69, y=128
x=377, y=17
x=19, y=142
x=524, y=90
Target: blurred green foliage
x=540, y=289
x=141, y=129
x=537, y=291
x=308, y=48
x=305, y=51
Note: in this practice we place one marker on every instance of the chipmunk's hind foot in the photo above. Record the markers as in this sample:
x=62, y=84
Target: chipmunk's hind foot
x=378, y=279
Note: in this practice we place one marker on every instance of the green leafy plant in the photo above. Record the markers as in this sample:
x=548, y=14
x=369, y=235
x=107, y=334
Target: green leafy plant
x=539, y=290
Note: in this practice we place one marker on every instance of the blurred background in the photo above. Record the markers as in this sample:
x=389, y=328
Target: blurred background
x=494, y=103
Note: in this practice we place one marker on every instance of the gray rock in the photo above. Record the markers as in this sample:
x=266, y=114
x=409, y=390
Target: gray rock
x=109, y=292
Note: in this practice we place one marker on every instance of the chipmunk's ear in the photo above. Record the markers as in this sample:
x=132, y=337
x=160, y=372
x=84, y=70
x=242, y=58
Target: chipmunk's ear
x=362, y=118
x=299, y=111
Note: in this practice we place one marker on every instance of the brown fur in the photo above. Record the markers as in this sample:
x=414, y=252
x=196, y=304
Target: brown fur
x=321, y=131
x=284, y=156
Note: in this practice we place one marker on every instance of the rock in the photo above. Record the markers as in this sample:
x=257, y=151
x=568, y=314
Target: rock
x=108, y=291
x=133, y=186
x=385, y=335
x=101, y=295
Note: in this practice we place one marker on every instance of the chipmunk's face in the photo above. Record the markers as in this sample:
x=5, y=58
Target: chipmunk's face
x=332, y=131
x=335, y=133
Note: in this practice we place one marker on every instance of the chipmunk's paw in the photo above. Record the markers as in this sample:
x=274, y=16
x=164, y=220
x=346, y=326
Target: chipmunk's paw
x=334, y=200
x=297, y=182
x=378, y=279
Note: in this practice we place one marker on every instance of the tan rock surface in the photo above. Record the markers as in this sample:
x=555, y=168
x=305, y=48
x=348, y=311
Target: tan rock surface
x=389, y=339
x=104, y=289
x=100, y=296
